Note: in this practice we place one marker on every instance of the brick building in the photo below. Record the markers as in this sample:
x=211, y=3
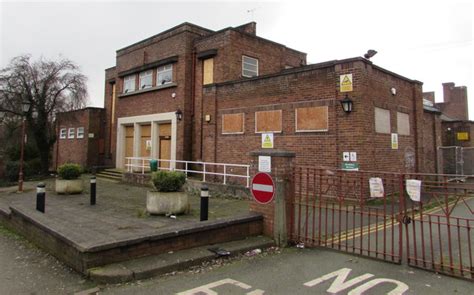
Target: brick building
x=80, y=138
x=190, y=93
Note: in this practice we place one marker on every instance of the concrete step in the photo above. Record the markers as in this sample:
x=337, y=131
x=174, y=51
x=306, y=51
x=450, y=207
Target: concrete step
x=109, y=176
x=150, y=266
x=119, y=175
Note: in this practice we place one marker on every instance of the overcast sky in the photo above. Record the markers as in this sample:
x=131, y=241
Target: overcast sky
x=430, y=41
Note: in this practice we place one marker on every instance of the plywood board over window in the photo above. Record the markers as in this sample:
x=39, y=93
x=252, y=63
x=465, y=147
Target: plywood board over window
x=403, y=123
x=382, y=121
x=268, y=121
x=233, y=123
x=208, y=71
x=311, y=119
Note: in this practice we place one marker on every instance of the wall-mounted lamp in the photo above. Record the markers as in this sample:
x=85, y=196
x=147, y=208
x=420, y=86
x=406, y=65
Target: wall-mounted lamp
x=179, y=114
x=346, y=104
x=207, y=118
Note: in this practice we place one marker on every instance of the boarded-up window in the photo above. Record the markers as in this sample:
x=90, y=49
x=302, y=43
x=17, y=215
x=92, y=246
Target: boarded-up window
x=382, y=120
x=208, y=71
x=268, y=121
x=311, y=119
x=233, y=123
x=403, y=124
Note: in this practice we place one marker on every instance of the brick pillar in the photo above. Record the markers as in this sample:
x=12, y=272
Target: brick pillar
x=277, y=213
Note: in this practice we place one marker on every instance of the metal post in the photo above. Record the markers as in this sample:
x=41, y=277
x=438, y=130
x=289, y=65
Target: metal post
x=204, y=202
x=93, y=190
x=22, y=154
x=40, y=197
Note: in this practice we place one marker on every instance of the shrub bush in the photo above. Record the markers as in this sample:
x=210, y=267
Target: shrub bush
x=168, y=181
x=30, y=168
x=69, y=171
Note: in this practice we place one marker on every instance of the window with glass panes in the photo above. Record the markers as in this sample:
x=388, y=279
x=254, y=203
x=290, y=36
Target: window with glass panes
x=164, y=75
x=129, y=84
x=145, y=79
x=249, y=66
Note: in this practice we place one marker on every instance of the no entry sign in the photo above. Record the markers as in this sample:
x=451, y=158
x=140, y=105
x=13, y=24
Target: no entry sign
x=262, y=188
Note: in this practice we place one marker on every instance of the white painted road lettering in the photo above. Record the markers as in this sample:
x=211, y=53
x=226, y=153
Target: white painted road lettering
x=206, y=289
x=339, y=284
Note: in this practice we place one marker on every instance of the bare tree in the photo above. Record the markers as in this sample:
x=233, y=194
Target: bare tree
x=49, y=86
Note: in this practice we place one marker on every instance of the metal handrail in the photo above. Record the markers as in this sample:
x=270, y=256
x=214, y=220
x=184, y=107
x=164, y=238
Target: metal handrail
x=143, y=165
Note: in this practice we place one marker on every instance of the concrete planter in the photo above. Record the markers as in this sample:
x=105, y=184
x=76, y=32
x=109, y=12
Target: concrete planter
x=166, y=202
x=69, y=186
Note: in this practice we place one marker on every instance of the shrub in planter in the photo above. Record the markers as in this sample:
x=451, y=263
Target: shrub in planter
x=168, y=181
x=69, y=181
x=168, y=197
x=69, y=171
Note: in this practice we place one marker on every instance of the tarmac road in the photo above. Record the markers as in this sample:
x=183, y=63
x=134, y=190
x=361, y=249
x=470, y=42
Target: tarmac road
x=301, y=271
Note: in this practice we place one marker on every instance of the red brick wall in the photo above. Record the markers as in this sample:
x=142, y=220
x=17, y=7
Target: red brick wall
x=455, y=102
x=313, y=86
x=431, y=140
x=83, y=151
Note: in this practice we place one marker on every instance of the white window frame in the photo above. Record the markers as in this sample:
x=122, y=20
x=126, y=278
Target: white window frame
x=269, y=131
x=129, y=83
x=162, y=71
x=80, y=132
x=63, y=133
x=148, y=75
x=245, y=61
x=312, y=130
x=243, y=124
x=71, y=133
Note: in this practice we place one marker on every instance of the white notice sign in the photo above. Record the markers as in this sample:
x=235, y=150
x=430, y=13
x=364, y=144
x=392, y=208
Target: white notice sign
x=264, y=164
x=353, y=157
x=346, y=156
x=376, y=187
x=413, y=187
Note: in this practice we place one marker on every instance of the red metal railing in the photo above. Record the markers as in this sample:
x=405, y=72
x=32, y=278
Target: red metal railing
x=333, y=209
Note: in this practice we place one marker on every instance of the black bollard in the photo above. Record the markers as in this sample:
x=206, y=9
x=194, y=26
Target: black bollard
x=204, y=202
x=93, y=189
x=40, y=197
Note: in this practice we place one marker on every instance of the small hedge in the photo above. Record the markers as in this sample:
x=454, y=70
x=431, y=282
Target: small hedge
x=168, y=181
x=69, y=171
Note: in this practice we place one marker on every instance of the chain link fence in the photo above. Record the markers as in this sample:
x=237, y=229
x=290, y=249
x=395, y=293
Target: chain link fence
x=456, y=160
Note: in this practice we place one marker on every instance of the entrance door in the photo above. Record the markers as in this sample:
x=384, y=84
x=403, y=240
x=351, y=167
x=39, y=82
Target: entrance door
x=145, y=141
x=128, y=144
x=165, y=145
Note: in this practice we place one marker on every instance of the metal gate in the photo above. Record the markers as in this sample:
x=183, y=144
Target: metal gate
x=333, y=209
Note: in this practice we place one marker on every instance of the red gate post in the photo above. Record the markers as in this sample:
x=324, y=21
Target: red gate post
x=277, y=213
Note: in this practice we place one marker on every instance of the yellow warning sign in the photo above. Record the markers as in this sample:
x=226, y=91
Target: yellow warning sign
x=267, y=140
x=345, y=83
x=462, y=136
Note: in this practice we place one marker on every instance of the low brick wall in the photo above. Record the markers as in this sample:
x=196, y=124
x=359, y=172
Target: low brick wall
x=80, y=259
x=136, y=178
x=219, y=189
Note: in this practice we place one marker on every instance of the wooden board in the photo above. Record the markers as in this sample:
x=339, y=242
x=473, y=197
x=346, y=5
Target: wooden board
x=208, y=71
x=233, y=123
x=312, y=119
x=165, y=129
x=145, y=136
x=129, y=141
x=268, y=121
x=165, y=152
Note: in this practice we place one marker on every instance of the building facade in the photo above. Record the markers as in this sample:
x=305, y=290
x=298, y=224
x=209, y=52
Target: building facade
x=190, y=93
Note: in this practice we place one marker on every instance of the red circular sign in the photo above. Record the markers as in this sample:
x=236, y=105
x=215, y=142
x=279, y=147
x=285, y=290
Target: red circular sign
x=262, y=188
